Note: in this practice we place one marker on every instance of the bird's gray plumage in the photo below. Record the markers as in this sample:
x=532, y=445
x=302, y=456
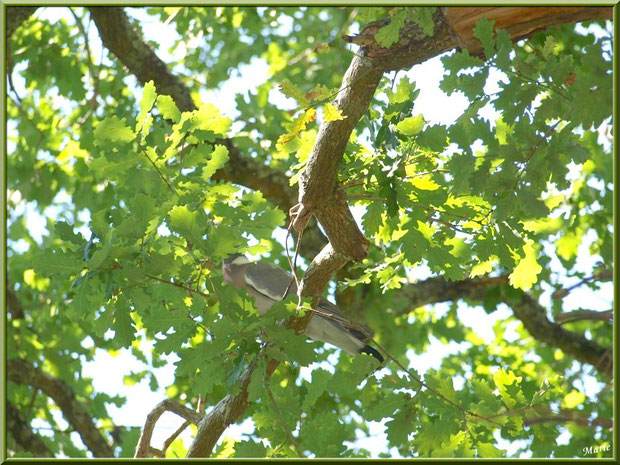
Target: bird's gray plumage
x=268, y=284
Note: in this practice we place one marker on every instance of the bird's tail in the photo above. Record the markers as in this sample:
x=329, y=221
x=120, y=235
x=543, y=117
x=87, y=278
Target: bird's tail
x=371, y=351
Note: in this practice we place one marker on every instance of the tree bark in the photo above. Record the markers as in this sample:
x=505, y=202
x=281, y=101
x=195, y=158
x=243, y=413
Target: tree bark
x=15, y=16
x=524, y=307
x=23, y=372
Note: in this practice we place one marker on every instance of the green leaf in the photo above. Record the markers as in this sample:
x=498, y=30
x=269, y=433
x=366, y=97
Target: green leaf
x=113, y=129
x=144, y=119
x=190, y=224
x=489, y=451
x=532, y=206
x=403, y=92
x=124, y=330
x=168, y=109
x=316, y=388
x=434, y=138
x=483, y=31
x=218, y=159
x=372, y=219
x=462, y=60
x=65, y=232
x=331, y=113
x=293, y=91
x=411, y=126
x=423, y=17
x=105, y=168
x=55, y=262
x=399, y=427
x=461, y=168
x=389, y=34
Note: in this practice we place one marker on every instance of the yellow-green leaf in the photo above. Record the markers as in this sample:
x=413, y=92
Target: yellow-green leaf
x=113, y=129
x=411, y=125
x=573, y=399
x=526, y=272
x=332, y=113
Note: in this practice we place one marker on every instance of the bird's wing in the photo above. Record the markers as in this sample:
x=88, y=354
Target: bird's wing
x=270, y=280
x=332, y=313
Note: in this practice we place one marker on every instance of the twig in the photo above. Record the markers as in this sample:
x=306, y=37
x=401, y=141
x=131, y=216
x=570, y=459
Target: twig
x=172, y=283
x=161, y=175
x=281, y=418
x=167, y=405
x=94, y=75
x=175, y=435
x=603, y=275
x=578, y=315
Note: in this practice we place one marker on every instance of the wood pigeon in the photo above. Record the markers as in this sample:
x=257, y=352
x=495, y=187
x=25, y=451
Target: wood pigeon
x=269, y=284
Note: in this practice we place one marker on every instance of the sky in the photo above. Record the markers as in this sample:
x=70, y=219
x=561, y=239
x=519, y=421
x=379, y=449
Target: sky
x=107, y=371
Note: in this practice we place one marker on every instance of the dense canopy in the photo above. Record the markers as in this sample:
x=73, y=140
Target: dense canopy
x=465, y=224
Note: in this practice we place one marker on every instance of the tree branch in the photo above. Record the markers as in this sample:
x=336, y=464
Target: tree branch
x=17, y=426
x=524, y=307
x=167, y=405
x=545, y=415
x=578, y=315
x=23, y=372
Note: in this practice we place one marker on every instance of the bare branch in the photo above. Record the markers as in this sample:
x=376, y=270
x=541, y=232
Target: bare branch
x=23, y=372
x=568, y=416
x=525, y=308
x=578, y=315
x=167, y=405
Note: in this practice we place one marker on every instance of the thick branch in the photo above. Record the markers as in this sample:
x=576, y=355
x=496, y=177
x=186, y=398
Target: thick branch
x=119, y=36
x=535, y=320
x=226, y=412
x=525, y=308
x=17, y=426
x=318, y=190
x=520, y=21
x=23, y=372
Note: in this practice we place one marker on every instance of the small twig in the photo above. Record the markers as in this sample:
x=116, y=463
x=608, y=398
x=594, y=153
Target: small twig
x=167, y=405
x=577, y=315
x=95, y=75
x=293, y=264
x=175, y=435
x=161, y=175
x=563, y=292
x=156, y=452
x=172, y=283
x=281, y=418
x=602, y=422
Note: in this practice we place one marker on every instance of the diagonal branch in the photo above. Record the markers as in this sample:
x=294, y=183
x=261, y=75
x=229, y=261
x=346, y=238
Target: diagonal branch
x=23, y=372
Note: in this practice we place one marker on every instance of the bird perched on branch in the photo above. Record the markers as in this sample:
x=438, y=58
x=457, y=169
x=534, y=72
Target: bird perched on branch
x=269, y=284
